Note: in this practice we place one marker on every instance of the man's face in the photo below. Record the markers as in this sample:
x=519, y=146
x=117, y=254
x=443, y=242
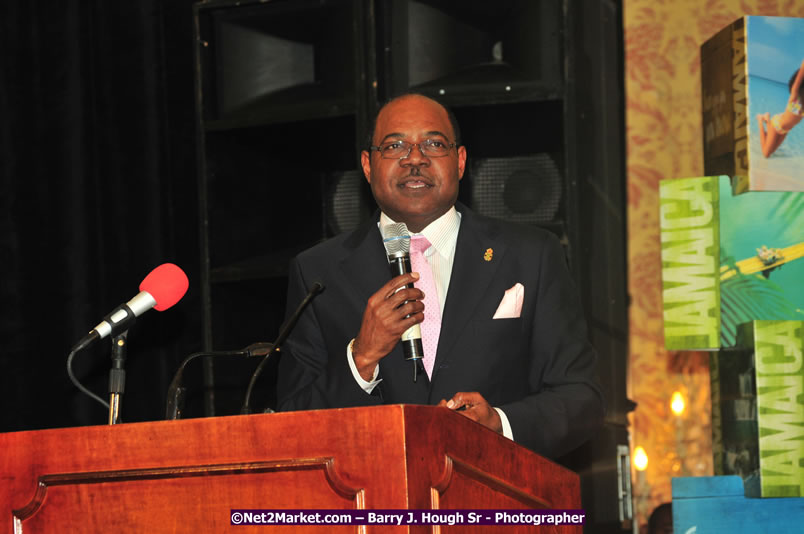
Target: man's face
x=417, y=189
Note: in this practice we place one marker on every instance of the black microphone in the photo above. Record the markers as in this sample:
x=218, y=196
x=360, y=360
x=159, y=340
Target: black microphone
x=287, y=328
x=396, y=240
x=175, y=392
x=284, y=332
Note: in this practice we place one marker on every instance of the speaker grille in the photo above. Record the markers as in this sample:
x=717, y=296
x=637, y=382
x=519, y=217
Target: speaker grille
x=348, y=203
x=525, y=189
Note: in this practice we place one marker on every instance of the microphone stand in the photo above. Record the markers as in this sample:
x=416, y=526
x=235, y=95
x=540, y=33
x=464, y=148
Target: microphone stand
x=117, y=376
x=284, y=332
x=175, y=393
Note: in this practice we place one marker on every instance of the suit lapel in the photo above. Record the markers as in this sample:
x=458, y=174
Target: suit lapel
x=471, y=276
x=364, y=264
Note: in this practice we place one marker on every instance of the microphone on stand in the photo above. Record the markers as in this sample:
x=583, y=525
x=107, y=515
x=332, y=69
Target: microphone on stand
x=284, y=332
x=396, y=240
x=161, y=289
x=175, y=392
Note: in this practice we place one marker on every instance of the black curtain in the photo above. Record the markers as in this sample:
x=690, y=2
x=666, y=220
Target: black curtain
x=97, y=162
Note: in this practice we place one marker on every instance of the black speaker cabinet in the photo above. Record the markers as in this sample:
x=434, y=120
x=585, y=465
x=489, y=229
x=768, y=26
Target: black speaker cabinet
x=279, y=61
x=502, y=50
x=282, y=97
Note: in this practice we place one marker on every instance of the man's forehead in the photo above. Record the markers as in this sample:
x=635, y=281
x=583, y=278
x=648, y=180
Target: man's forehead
x=413, y=114
x=413, y=99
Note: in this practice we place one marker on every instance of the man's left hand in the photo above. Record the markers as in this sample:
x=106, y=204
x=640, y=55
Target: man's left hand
x=476, y=408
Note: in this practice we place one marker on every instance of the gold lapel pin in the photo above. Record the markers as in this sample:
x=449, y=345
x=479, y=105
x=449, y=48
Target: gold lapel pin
x=488, y=255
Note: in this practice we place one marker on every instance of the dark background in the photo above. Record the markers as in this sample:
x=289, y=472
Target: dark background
x=97, y=159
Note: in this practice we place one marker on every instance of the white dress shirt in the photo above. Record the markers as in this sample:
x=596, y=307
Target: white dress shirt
x=443, y=236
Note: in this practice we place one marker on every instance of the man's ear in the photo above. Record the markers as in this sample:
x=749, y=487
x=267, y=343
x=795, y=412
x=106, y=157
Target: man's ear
x=461, y=161
x=365, y=162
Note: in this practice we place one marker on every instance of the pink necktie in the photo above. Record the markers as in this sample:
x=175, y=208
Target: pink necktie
x=431, y=327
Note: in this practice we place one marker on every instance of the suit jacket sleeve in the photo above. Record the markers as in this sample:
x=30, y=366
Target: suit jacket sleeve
x=313, y=372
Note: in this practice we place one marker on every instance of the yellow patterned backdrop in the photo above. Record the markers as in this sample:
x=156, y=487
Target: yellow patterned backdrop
x=663, y=125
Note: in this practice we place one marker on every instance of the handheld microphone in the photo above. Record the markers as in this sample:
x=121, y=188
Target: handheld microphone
x=161, y=289
x=396, y=240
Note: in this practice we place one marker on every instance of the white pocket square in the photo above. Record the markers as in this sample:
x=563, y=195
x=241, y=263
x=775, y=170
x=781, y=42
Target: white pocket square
x=511, y=304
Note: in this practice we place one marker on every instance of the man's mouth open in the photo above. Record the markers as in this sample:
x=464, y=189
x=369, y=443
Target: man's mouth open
x=415, y=181
x=414, y=184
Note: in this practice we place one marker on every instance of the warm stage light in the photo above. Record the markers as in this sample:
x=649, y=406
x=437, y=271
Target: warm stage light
x=640, y=459
x=677, y=403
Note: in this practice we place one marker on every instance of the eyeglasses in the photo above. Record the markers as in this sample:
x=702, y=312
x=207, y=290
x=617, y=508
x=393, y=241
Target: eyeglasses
x=431, y=148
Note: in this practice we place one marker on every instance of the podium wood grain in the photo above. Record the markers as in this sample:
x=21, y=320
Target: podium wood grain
x=186, y=476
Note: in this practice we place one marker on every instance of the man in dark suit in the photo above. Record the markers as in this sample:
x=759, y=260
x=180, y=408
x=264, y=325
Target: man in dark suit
x=512, y=352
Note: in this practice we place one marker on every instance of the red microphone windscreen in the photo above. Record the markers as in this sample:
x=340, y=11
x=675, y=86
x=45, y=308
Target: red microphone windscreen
x=167, y=284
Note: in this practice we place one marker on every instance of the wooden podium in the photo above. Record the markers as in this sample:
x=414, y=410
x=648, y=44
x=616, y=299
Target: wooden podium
x=186, y=476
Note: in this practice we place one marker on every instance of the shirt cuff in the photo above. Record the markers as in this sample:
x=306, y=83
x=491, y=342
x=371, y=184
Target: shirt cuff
x=507, y=432
x=368, y=387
